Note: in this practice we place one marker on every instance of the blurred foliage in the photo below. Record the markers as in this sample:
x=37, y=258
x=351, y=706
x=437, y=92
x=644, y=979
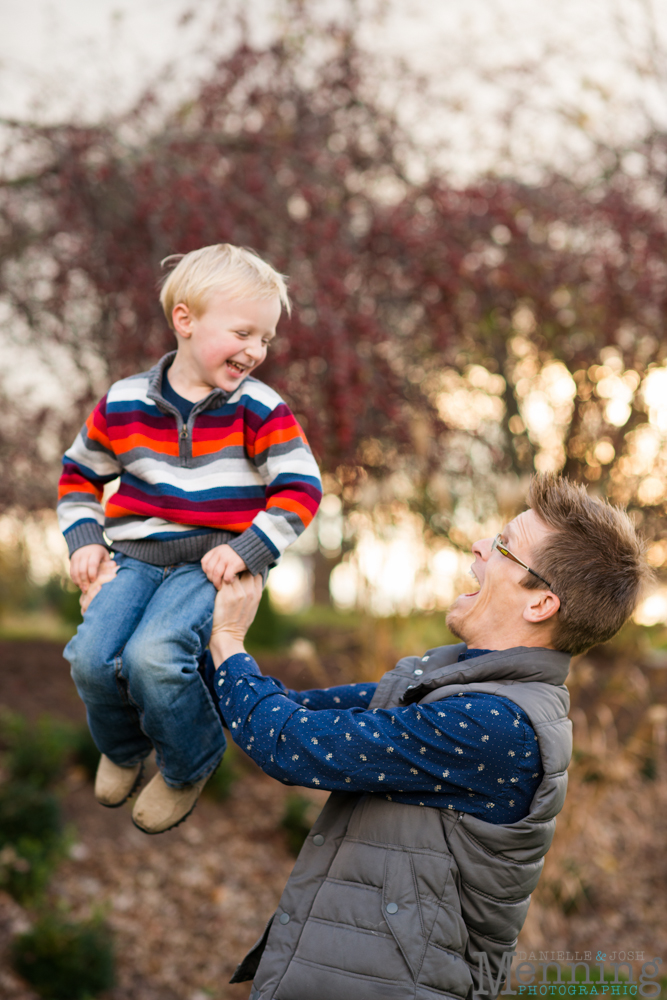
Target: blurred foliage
x=269, y=630
x=35, y=759
x=32, y=840
x=15, y=587
x=49, y=610
x=64, y=960
x=299, y=816
x=219, y=785
x=63, y=597
x=39, y=753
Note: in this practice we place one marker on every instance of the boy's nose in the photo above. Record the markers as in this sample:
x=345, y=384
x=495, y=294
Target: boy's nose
x=254, y=351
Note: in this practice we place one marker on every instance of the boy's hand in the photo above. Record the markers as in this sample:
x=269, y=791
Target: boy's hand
x=222, y=565
x=106, y=573
x=85, y=563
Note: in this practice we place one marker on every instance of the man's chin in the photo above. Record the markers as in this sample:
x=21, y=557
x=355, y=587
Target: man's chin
x=455, y=621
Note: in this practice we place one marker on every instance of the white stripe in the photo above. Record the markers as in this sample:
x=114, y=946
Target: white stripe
x=70, y=513
x=130, y=389
x=143, y=527
x=101, y=462
x=299, y=463
x=224, y=472
x=277, y=529
x=259, y=391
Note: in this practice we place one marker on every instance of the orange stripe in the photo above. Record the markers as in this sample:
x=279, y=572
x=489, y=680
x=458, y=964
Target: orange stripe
x=208, y=447
x=297, y=508
x=83, y=487
x=96, y=434
x=121, y=445
x=277, y=437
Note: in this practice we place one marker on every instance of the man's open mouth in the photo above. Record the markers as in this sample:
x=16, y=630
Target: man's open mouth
x=474, y=593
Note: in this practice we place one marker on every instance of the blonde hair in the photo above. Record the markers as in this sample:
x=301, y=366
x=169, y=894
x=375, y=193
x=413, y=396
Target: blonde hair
x=234, y=271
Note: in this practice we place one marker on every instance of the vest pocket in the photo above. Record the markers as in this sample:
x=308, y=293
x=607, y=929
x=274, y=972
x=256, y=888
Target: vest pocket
x=401, y=908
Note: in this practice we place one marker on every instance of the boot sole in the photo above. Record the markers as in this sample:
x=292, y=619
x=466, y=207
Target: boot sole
x=155, y=833
x=132, y=791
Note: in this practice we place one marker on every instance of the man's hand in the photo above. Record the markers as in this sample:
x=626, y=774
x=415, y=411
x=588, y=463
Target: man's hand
x=106, y=572
x=85, y=563
x=222, y=565
x=233, y=614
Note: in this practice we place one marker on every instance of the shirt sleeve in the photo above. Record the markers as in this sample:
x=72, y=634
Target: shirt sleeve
x=280, y=452
x=459, y=745
x=87, y=467
x=336, y=698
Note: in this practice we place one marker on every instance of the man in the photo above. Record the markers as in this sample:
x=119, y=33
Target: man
x=447, y=776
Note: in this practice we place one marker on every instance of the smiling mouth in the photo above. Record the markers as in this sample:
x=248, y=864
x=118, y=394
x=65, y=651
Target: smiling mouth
x=235, y=366
x=473, y=593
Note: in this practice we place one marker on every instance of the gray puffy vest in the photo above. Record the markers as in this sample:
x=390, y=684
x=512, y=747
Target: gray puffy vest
x=389, y=901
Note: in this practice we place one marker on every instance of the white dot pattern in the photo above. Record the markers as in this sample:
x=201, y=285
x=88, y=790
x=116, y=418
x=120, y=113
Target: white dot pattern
x=476, y=755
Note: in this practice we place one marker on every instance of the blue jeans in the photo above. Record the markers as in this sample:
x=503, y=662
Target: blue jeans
x=135, y=664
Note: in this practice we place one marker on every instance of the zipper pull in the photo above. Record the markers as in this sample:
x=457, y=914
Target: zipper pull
x=184, y=431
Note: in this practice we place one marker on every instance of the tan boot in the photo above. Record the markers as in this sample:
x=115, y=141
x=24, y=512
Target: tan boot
x=160, y=807
x=113, y=784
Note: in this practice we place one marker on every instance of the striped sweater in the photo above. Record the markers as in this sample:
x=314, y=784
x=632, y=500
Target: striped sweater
x=239, y=471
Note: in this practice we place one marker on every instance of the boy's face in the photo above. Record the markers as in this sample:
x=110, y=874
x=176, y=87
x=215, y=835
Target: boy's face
x=227, y=341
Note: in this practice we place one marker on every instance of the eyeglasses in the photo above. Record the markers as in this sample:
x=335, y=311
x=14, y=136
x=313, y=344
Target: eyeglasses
x=504, y=551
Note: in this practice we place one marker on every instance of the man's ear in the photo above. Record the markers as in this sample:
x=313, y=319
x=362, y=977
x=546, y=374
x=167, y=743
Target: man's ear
x=543, y=604
x=181, y=317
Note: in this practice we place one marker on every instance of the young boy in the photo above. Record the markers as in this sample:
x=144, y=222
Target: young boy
x=216, y=477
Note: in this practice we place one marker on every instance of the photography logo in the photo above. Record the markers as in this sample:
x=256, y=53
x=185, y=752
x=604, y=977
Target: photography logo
x=560, y=973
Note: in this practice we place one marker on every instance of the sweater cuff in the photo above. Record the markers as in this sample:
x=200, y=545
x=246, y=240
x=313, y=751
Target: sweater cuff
x=85, y=533
x=255, y=553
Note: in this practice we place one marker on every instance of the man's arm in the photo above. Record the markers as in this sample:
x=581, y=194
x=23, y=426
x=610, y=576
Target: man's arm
x=461, y=746
x=315, y=699
x=341, y=697
x=471, y=754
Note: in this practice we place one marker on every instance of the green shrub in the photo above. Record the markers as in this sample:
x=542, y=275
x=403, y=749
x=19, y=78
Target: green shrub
x=26, y=868
x=32, y=841
x=38, y=753
x=26, y=811
x=300, y=814
x=219, y=785
x=84, y=751
x=65, y=961
x=35, y=753
x=63, y=597
x=269, y=629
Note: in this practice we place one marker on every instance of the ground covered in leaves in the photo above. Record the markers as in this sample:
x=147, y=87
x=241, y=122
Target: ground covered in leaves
x=185, y=906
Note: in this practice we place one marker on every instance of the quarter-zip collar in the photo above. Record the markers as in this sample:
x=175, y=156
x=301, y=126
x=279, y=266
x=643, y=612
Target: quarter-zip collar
x=215, y=398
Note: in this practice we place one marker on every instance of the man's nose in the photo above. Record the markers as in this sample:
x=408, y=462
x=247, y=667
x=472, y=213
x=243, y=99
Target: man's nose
x=482, y=548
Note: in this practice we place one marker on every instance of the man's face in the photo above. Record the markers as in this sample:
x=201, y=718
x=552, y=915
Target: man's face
x=229, y=340
x=501, y=609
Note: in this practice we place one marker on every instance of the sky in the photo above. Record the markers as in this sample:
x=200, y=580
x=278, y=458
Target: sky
x=569, y=70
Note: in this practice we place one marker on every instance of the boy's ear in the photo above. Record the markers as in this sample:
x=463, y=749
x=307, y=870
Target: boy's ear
x=181, y=317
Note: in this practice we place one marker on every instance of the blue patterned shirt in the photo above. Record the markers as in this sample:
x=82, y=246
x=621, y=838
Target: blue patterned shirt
x=475, y=753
